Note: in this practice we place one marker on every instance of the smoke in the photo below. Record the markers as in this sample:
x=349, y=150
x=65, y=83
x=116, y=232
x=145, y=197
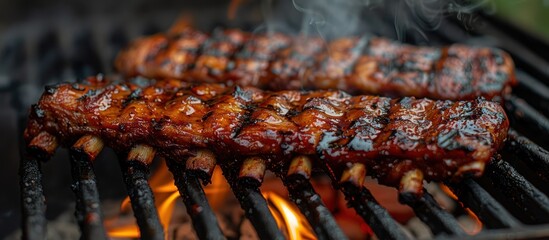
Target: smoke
x=332, y=18
x=427, y=15
x=336, y=18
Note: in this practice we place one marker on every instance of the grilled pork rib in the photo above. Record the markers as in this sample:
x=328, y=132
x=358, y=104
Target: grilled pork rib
x=355, y=65
x=389, y=136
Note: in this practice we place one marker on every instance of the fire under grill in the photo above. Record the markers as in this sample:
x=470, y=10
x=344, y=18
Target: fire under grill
x=511, y=199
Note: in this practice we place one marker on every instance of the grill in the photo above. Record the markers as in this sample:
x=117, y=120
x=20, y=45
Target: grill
x=511, y=199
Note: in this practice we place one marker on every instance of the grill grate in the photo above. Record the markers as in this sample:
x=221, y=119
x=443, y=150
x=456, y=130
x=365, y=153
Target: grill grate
x=135, y=176
x=481, y=202
x=440, y=221
x=204, y=221
x=88, y=211
x=375, y=215
x=32, y=197
x=254, y=204
x=309, y=203
x=495, y=198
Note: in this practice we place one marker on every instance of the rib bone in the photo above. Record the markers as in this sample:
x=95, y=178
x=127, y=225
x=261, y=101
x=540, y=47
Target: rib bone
x=474, y=168
x=142, y=153
x=300, y=165
x=44, y=145
x=253, y=167
x=90, y=145
x=412, y=183
x=204, y=160
x=354, y=174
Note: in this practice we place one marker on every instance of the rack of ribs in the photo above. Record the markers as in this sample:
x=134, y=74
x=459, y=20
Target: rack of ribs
x=357, y=65
x=433, y=139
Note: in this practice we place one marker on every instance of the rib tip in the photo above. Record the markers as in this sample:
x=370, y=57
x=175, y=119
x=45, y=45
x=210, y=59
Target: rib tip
x=142, y=153
x=253, y=168
x=43, y=146
x=411, y=185
x=203, y=161
x=90, y=145
x=300, y=165
x=474, y=169
x=356, y=174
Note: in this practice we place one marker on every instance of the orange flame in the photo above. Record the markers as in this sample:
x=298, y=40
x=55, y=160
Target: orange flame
x=165, y=192
x=289, y=218
x=128, y=231
x=478, y=224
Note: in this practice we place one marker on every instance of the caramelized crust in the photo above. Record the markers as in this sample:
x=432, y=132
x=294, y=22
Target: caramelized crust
x=359, y=65
x=436, y=137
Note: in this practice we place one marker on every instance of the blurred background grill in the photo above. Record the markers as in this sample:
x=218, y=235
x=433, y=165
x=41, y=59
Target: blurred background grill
x=44, y=42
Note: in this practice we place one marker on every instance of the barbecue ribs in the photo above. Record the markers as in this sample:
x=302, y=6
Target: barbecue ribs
x=357, y=65
x=390, y=137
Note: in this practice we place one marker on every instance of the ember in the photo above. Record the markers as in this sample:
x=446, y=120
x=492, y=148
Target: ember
x=288, y=217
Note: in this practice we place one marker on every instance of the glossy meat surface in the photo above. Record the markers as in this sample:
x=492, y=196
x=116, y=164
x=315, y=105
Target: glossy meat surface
x=436, y=137
x=358, y=65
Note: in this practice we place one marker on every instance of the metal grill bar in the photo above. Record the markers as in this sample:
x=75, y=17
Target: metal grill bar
x=428, y=210
x=534, y=91
x=190, y=189
x=508, y=181
x=524, y=36
x=33, y=203
x=529, y=152
x=530, y=232
x=490, y=211
x=524, y=57
x=377, y=217
x=253, y=203
x=135, y=176
x=310, y=204
x=526, y=115
x=88, y=210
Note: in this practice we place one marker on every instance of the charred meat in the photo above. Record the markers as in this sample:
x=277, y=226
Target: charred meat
x=441, y=139
x=357, y=65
